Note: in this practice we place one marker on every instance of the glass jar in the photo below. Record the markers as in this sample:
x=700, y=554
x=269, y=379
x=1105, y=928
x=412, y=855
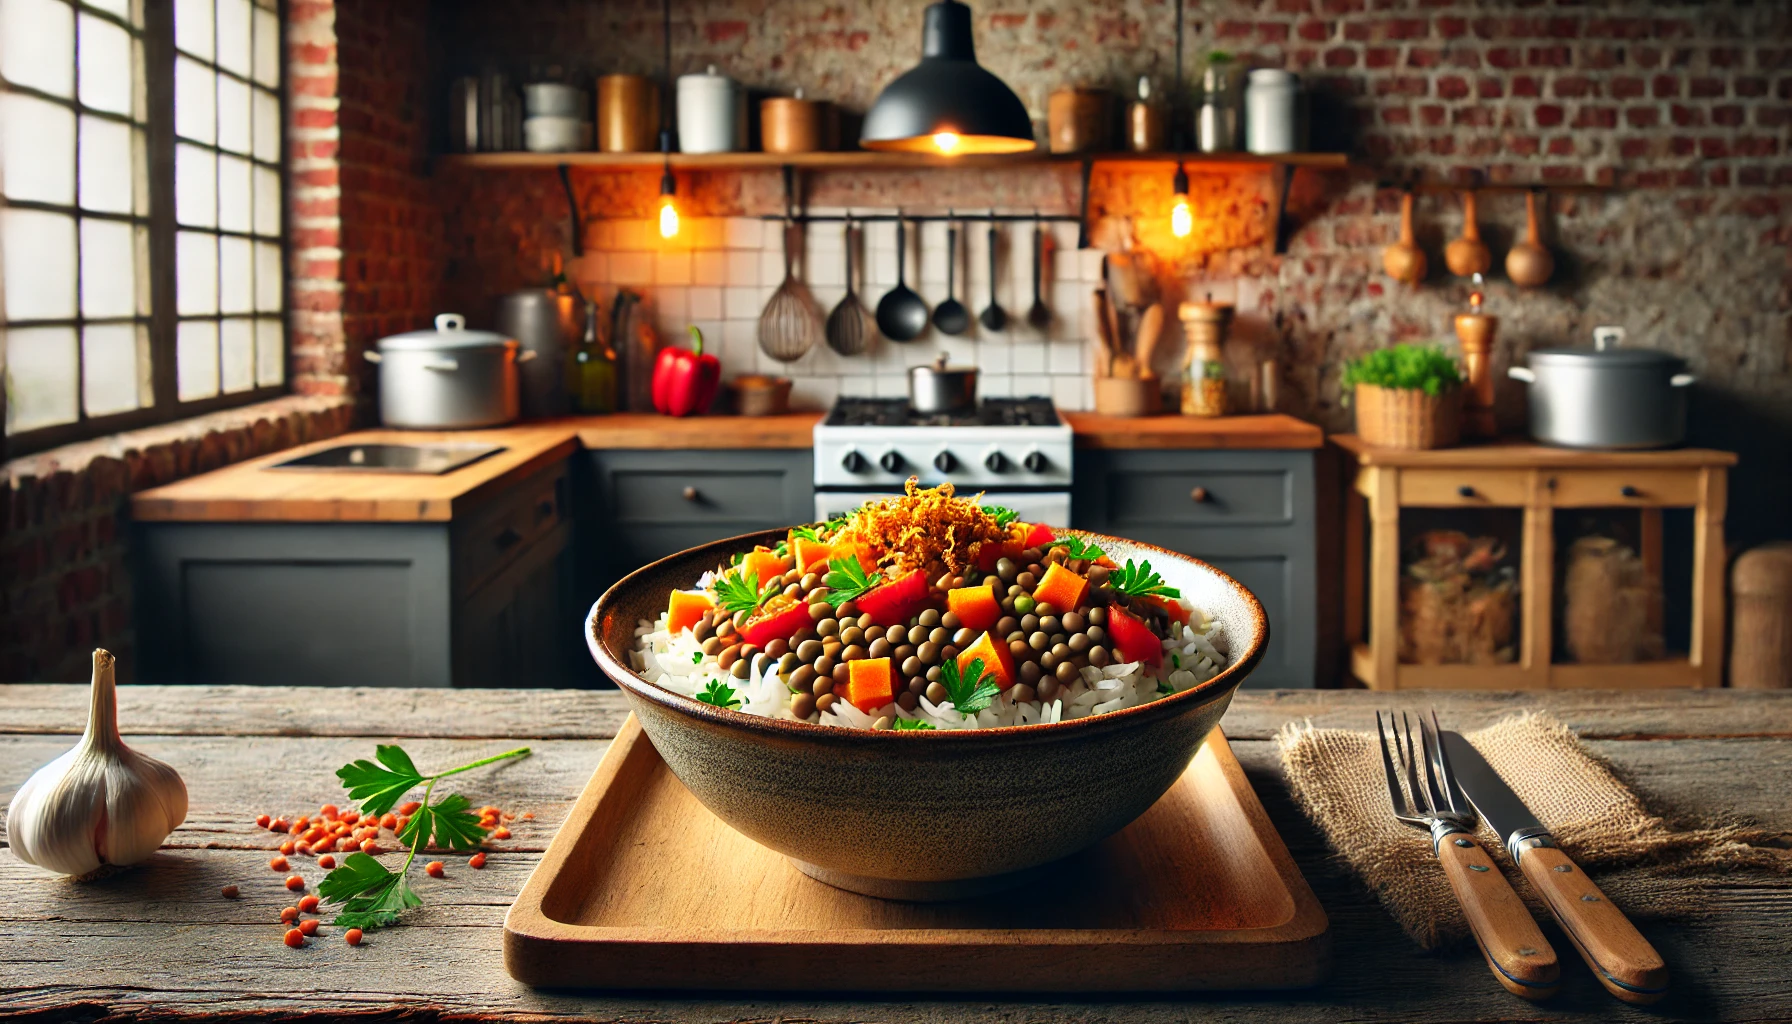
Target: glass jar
x=1204, y=388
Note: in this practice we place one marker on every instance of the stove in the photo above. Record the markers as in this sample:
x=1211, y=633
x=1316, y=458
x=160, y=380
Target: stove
x=1017, y=450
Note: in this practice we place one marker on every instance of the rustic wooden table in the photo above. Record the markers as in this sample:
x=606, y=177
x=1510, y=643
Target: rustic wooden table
x=160, y=942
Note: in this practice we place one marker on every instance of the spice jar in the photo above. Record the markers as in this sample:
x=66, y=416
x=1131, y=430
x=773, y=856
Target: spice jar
x=708, y=112
x=1216, y=125
x=1076, y=119
x=1144, y=122
x=1204, y=386
x=628, y=114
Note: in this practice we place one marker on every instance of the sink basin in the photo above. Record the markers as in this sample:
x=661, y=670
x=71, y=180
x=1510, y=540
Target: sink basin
x=425, y=459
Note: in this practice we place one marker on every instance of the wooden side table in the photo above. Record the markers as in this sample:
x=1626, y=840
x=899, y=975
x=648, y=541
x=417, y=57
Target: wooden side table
x=1537, y=480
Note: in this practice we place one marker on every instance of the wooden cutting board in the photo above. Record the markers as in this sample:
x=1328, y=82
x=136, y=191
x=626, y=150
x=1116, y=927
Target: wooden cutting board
x=644, y=888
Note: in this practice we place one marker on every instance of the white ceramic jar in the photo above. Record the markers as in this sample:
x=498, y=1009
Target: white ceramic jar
x=709, y=113
x=1271, y=119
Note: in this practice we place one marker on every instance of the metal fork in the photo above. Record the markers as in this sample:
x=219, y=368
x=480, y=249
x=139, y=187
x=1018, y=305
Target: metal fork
x=1516, y=951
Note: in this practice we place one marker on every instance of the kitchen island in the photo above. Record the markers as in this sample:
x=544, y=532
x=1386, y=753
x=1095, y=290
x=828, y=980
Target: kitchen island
x=159, y=940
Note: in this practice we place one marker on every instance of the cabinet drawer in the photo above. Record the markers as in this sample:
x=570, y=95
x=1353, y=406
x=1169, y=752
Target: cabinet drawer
x=655, y=496
x=489, y=542
x=1619, y=488
x=1465, y=488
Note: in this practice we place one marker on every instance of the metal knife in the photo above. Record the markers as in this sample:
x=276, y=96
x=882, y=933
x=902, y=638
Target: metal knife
x=1620, y=957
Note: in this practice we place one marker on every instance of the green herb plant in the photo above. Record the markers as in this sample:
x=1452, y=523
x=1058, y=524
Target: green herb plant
x=1405, y=367
x=968, y=691
x=1140, y=581
x=372, y=896
x=847, y=580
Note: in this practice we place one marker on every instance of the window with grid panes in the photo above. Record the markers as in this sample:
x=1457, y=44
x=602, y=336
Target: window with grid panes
x=142, y=261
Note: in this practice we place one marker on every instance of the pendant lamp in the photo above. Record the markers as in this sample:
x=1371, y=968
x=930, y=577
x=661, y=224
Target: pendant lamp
x=948, y=104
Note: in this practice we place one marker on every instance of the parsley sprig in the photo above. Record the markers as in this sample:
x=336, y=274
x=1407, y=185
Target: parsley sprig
x=372, y=895
x=741, y=592
x=968, y=691
x=1079, y=548
x=1140, y=581
x=912, y=725
x=1003, y=516
x=847, y=580
x=719, y=694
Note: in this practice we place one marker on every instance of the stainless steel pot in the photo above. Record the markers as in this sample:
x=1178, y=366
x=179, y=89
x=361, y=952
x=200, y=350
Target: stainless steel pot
x=448, y=378
x=1606, y=396
x=937, y=389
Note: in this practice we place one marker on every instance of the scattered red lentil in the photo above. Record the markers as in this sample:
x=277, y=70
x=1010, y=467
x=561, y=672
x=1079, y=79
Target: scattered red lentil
x=325, y=846
x=302, y=824
x=528, y=815
x=352, y=936
x=350, y=817
x=389, y=820
x=326, y=861
x=370, y=847
x=477, y=860
x=288, y=847
x=295, y=938
x=500, y=833
x=278, y=864
x=278, y=825
x=303, y=849
x=229, y=892
x=409, y=807
x=289, y=915
x=488, y=809
x=262, y=820
x=403, y=821
x=328, y=811
x=308, y=926
x=434, y=869
x=308, y=904
x=295, y=883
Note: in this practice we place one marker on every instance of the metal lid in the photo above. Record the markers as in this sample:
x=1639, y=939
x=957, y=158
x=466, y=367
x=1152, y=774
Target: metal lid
x=450, y=333
x=1606, y=351
x=940, y=364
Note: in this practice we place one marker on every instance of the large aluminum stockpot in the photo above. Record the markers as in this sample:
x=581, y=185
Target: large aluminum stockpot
x=937, y=389
x=448, y=378
x=1606, y=396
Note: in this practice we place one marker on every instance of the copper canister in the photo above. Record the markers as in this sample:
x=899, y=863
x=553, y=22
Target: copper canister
x=1077, y=119
x=628, y=114
x=1144, y=127
x=790, y=124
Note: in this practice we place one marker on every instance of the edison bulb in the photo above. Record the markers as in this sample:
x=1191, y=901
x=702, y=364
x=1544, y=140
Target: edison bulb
x=668, y=217
x=947, y=142
x=1182, y=220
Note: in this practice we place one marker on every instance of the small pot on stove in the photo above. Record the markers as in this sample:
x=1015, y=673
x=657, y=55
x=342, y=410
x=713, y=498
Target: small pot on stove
x=938, y=389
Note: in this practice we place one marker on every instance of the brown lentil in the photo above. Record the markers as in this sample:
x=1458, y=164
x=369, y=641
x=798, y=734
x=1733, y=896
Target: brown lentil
x=1067, y=673
x=935, y=673
x=1019, y=649
x=827, y=627
x=1038, y=641
x=1098, y=616
x=852, y=635
x=778, y=647
x=1074, y=622
x=742, y=668
x=801, y=677
x=879, y=648
x=810, y=580
x=821, y=611
x=821, y=685
x=842, y=672
x=950, y=620
x=866, y=621
x=1096, y=634
x=1029, y=671
x=1026, y=581
x=908, y=701
x=802, y=705
x=917, y=685
x=912, y=666
x=1048, y=661
x=1048, y=690
x=883, y=723
x=1079, y=642
x=824, y=666
x=930, y=617
x=928, y=652
x=728, y=657
x=825, y=701
x=936, y=692
x=725, y=628
x=1098, y=656
x=809, y=650
x=849, y=610
x=1021, y=692
x=832, y=648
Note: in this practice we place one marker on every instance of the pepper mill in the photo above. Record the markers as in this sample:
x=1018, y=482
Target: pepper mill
x=1475, y=330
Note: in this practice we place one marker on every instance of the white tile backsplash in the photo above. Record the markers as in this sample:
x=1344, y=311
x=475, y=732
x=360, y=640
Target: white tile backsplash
x=720, y=272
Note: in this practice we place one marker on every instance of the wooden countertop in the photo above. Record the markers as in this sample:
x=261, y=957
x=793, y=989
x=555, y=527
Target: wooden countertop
x=158, y=941
x=1271, y=430
x=651, y=430
x=249, y=492
x=1522, y=453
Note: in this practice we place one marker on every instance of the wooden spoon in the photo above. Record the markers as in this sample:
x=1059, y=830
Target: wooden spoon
x=1468, y=255
x=1404, y=260
x=1528, y=263
x=1151, y=326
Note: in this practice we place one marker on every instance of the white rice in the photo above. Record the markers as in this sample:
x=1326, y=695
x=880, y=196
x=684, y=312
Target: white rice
x=1192, y=655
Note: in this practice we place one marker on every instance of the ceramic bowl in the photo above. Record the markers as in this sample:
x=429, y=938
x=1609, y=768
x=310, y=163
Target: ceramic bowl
x=926, y=815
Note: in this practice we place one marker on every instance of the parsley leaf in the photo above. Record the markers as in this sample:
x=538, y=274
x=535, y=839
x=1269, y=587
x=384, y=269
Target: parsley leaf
x=1003, y=516
x=372, y=896
x=1079, y=548
x=453, y=824
x=847, y=581
x=742, y=592
x=1140, y=581
x=379, y=788
x=1165, y=689
x=719, y=694
x=968, y=691
x=912, y=725
x=697, y=657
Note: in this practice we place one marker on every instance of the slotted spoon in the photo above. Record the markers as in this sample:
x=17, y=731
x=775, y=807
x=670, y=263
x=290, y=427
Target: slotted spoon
x=789, y=325
x=847, y=331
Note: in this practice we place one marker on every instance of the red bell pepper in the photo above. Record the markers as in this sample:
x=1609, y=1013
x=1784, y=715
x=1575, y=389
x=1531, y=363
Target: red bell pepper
x=1040, y=536
x=1134, y=639
x=893, y=603
x=776, y=626
x=684, y=383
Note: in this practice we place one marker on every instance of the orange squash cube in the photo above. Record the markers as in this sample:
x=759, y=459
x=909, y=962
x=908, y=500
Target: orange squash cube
x=976, y=607
x=871, y=683
x=811, y=554
x=997, y=662
x=764, y=564
x=1063, y=588
x=685, y=608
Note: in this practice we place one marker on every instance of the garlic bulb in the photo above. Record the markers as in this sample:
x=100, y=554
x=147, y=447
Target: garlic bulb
x=102, y=802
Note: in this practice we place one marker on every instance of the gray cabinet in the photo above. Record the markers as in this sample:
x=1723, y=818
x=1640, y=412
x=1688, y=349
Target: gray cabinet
x=650, y=504
x=486, y=600
x=1249, y=513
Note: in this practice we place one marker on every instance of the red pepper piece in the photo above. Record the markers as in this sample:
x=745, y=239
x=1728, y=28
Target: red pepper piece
x=1040, y=536
x=776, y=626
x=684, y=382
x=895, y=601
x=1134, y=638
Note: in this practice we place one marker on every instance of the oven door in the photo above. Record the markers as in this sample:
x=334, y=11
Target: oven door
x=1049, y=507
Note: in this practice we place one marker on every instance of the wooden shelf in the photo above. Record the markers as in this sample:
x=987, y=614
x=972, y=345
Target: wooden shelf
x=870, y=161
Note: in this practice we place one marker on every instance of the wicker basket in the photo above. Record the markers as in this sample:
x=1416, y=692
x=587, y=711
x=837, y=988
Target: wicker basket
x=1408, y=418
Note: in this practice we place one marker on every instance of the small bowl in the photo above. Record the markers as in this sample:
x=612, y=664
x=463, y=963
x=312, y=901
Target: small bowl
x=552, y=99
x=556, y=134
x=926, y=815
x=758, y=395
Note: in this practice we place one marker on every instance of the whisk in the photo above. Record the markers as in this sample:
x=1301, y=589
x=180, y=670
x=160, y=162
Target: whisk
x=789, y=325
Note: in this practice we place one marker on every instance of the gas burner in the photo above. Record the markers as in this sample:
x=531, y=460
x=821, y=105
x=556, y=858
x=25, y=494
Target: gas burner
x=895, y=412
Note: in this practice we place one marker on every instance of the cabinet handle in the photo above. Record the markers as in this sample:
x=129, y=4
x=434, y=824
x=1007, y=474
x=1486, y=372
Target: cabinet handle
x=1200, y=496
x=507, y=539
x=544, y=510
x=1629, y=491
x=690, y=494
x=1466, y=491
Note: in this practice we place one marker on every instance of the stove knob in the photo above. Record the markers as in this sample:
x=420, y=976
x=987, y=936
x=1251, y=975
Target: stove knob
x=853, y=461
x=891, y=461
x=944, y=462
x=996, y=462
x=1035, y=461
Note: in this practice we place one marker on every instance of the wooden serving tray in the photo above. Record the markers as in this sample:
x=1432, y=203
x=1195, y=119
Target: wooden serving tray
x=644, y=888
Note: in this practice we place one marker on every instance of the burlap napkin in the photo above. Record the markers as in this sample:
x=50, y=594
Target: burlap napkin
x=1649, y=866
